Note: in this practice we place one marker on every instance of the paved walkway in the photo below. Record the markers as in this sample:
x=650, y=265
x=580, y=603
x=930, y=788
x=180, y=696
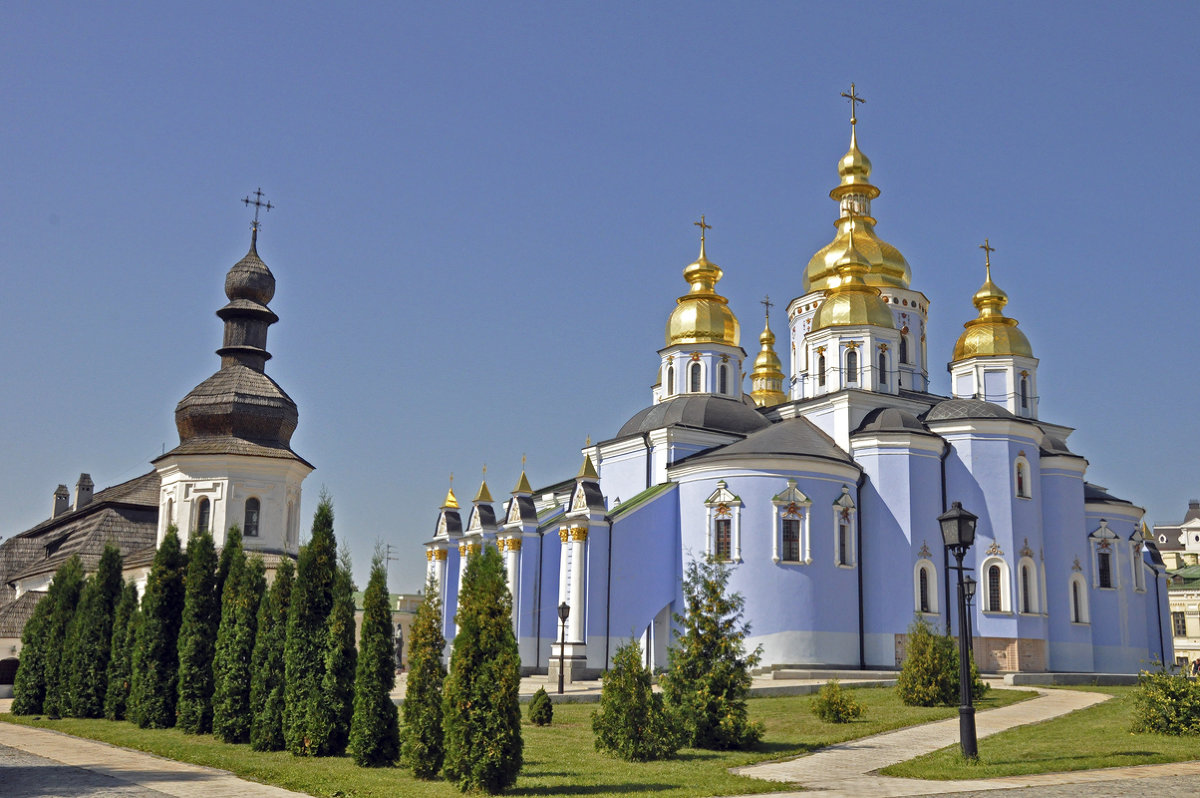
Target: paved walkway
x=846, y=770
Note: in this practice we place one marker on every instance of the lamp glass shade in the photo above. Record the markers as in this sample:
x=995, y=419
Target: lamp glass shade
x=564, y=610
x=969, y=586
x=958, y=526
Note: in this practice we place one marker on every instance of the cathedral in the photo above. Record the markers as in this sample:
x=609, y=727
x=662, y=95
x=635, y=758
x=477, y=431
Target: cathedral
x=821, y=488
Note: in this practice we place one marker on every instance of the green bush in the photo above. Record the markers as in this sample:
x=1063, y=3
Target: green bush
x=422, y=747
x=1166, y=704
x=375, y=727
x=929, y=675
x=232, y=675
x=632, y=722
x=29, y=688
x=125, y=623
x=64, y=597
x=835, y=705
x=266, y=686
x=197, y=636
x=541, y=711
x=155, y=661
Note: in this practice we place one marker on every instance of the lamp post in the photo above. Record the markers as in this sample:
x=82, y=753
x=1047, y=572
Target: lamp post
x=564, y=611
x=958, y=532
x=969, y=587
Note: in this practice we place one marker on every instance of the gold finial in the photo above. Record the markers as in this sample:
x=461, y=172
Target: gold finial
x=854, y=101
x=988, y=249
x=522, y=461
x=451, y=502
x=589, y=441
x=703, y=227
x=587, y=470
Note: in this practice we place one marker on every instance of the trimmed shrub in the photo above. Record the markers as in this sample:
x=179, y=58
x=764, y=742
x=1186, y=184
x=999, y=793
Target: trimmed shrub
x=197, y=636
x=834, y=705
x=929, y=674
x=89, y=641
x=482, y=715
x=375, y=727
x=64, y=598
x=125, y=622
x=632, y=722
x=307, y=632
x=155, y=666
x=235, y=647
x=29, y=686
x=333, y=707
x=708, y=681
x=1166, y=704
x=422, y=745
x=266, y=687
x=541, y=710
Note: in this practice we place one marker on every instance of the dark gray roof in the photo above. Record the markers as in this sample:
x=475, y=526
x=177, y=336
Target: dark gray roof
x=966, y=408
x=704, y=411
x=1193, y=511
x=14, y=614
x=1054, y=446
x=1095, y=493
x=1155, y=556
x=892, y=419
x=794, y=437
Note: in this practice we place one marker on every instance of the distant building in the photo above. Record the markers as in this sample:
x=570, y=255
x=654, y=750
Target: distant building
x=1180, y=547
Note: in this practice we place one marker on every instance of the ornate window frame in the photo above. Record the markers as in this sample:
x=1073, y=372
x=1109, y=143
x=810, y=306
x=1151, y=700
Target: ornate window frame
x=695, y=377
x=1104, y=542
x=1029, y=600
x=850, y=370
x=1138, y=565
x=1077, y=596
x=927, y=567
x=721, y=505
x=985, y=585
x=791, y=504
x=845, y=523
x=204, y=513
x=1022, y=477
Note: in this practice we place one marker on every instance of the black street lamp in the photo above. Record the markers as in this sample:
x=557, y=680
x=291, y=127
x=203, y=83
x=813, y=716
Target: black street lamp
x=958, y=531
x=969, y=586
x=564, y=611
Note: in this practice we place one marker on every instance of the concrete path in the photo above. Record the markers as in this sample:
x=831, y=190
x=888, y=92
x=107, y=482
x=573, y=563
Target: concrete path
x=846, y=770
x=73, y=766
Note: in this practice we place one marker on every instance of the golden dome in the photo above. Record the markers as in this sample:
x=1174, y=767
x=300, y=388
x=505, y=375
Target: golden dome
x=766, y=381
x=852, y=301
x=702, y=316
x=886, y=266
x=992, y=333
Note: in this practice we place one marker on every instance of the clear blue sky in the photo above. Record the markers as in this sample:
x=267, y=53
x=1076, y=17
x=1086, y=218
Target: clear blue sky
x=483, y=210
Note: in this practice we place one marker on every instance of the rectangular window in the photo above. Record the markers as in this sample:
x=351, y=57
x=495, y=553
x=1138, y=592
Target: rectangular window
x=1179, y=624
x=1104, y=569
x=724, y=539
x=843, y=544
x=791, y=539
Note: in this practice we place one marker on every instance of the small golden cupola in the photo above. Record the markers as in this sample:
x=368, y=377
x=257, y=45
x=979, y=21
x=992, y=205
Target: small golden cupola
x=702, y=316
x=885, y=265
x=852, y=302
x=766, y=380
x=992, y=333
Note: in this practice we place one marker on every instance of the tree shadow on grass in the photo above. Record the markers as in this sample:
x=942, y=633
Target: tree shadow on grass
x=783, y=749
x=1066, y=758
x=590, y=789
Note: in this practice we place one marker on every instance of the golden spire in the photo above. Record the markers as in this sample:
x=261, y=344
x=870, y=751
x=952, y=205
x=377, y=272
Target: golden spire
x=451, y=502
x=991, y=333
x=702, y=315
x=854, y=192
x=766, y=381
x=484, y=495
x=523, y=485
x=852, y=302
x=587, y=470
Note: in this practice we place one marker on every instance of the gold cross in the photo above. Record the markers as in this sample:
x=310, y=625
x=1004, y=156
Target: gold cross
x=702, y=227
x=854, y=101
x=768, y=304
x=988, y=249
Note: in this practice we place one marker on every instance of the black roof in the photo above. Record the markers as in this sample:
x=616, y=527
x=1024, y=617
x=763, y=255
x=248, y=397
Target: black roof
x=794, y=437
x=1095, y=493
x=892, y=419
x=704, y=411
x=966, y=408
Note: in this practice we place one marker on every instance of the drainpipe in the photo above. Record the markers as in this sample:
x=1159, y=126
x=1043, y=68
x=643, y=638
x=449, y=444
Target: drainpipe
x=537, y=611
x=862, y=645
x=945, y=553
x=1162, y=648
x=649, y=459
x=608, y=596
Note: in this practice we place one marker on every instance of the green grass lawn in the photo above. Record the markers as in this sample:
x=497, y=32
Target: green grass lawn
x=1096, y=737
x=559, y=759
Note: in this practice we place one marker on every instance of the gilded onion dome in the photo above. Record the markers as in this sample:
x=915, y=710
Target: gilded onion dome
x=852, y=302
x=992, y=333
x=702, y=316
x=886, y=266
x=766, y=381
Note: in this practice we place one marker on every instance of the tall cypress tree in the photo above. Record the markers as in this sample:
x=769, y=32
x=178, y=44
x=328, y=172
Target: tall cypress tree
x=307, y=632
x=230, y=551
x=197, y=633
x=423, y=743
x=266, y=688
x=482, y=713
x=333, y=708
x=120, y=665
x=89, y=642
x=64, y=592
x=29, y=687
x=235, y=647
x=375, y=727
x=156, y=657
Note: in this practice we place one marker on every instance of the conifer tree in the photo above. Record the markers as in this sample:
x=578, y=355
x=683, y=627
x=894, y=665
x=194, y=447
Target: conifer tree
x=120, y=665
x=235, y=648
x=422, y=742
x=64, y=594
x=89, y=641
x=632, y=722
x=155, y=662
x=29, y=686
x=481, y=711
x=266, y=687
x=375, y=727
x=307, y=630
x=231, y=550
x=331, y=712
x=709, y=677
x=197, y=635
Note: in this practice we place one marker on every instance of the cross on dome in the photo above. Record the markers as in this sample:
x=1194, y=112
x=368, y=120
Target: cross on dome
x=854, y=101
x=988, y=249
x=258, y=204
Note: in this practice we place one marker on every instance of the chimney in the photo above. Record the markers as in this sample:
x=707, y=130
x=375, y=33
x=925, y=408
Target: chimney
x=83, y=491
x=1194, y=504
x=62, y=500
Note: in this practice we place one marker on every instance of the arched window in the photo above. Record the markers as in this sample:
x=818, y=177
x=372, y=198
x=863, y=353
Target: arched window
x=203, y=514
x=994, y=594
x=821, y=370
x=722, y=379
x=903, y=348
x=852, y=366
x=250, y=528
x=695, y=378
x=1079, y=606
x=882, y=367
x=924, y=590
x=844, y=526
x=925, y=597
x=1027, y=604
x=670, y=380
x=1021, y=477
